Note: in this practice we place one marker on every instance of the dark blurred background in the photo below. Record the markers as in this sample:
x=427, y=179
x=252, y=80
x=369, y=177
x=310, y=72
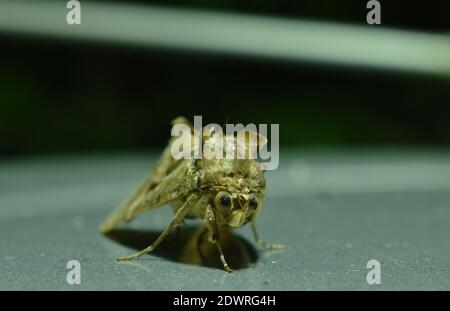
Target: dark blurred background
x=69, y=96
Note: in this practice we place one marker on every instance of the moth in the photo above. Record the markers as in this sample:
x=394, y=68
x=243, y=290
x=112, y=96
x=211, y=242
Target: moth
x=223, y=192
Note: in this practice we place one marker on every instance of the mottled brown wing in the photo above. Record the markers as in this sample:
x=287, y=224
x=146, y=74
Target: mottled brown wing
x=166, y=182
x=149, y=196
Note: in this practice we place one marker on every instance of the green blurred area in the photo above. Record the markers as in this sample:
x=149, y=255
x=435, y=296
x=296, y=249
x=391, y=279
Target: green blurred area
x=63, y=97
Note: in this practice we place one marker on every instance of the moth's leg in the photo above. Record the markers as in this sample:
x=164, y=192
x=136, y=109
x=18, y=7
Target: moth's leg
x=215, y=237
x=222, y=257
x=176, y=220
x=178, y=229
x=262, y=242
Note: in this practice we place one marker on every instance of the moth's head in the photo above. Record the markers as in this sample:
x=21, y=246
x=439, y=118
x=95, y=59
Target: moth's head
x=236, y=188
x=237, y=210
x=236, y=183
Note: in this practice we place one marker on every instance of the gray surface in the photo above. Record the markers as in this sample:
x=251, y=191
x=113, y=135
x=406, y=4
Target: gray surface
x=333, y=211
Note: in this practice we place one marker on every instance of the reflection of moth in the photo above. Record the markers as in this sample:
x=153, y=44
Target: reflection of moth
x=222, y=192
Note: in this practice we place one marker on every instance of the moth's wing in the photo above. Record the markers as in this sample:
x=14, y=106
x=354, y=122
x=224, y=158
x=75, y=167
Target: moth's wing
x=166, y=181
x=166, y=163
x=150, y=196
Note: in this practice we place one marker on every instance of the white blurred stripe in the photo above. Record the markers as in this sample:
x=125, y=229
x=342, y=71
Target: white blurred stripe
x=293, y=40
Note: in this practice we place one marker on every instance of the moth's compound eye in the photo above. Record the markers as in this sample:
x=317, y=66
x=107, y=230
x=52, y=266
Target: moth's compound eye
x=223, y=199
x=253, y=204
